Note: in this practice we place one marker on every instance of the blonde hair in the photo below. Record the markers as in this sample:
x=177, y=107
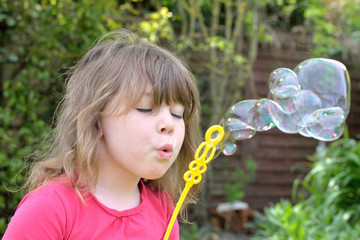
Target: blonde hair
x=119, y=64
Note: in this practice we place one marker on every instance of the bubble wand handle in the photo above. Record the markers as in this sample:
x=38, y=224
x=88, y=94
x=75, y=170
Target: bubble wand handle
x=203, y=155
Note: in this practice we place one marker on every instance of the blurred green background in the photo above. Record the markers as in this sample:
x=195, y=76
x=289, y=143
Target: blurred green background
x=219, y=39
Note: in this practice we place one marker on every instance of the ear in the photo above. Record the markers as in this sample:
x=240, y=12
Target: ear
x=99, y=126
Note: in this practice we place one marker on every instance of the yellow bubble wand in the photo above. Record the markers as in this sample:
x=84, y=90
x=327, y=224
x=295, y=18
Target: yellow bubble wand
x=197, y=167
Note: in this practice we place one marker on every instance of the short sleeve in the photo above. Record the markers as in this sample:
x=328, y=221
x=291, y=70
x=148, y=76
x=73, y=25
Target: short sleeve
x=40, y=215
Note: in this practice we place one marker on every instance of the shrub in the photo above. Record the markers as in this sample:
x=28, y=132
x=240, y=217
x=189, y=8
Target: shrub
x=328, y=206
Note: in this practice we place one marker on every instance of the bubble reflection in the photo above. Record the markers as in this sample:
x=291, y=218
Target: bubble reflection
x=312, y=100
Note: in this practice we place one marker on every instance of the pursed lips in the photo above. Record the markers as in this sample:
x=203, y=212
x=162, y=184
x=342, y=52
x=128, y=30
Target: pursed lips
x=165, y=151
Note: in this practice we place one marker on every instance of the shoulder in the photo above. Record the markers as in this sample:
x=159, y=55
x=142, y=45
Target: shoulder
x=42, y=213
x=53, y=188
x=49, y=194
x=52, y=194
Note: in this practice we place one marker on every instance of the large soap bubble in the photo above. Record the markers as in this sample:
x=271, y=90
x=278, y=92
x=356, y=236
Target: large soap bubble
x=312, y=100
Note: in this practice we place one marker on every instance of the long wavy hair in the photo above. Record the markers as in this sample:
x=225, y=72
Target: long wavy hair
x=119, y=64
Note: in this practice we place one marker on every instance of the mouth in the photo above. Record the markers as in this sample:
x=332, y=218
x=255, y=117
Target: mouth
x=167, y=148
x=165, y=151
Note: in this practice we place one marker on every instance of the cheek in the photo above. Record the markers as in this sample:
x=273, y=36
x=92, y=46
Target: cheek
x=183, y=136
x=181, y=133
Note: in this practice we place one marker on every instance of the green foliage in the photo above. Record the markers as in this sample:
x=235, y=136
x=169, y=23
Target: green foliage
x=38, y=40
x=325, y=31
x=331, y=207
x=235, y=189
x=213, y=35
x=284, y=221
x=335, y=178
x=189, y=232
x=195, y=232
x=336, y=27
x=157, y=25
x=333, y=25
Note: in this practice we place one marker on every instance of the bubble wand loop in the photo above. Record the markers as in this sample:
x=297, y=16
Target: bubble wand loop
x=197, y=167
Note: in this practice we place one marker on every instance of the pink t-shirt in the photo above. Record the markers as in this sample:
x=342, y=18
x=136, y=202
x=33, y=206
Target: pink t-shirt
x=56, y=212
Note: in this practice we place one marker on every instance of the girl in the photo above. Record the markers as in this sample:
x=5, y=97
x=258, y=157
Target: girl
x=127, y=130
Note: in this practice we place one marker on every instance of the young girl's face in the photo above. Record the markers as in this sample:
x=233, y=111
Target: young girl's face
x=144, y=142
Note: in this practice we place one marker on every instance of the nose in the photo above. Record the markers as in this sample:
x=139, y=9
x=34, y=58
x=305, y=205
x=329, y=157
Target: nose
x=165, y=120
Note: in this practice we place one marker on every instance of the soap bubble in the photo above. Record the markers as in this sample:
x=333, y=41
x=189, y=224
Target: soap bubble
x=312, y=100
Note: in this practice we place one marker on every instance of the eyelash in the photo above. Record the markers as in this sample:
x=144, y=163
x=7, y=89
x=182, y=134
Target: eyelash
x=145, y=110
x=177, y=116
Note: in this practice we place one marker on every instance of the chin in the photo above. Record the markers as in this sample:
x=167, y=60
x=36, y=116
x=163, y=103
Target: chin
x=155, y=175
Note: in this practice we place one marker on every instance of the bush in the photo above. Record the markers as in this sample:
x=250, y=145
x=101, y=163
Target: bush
x=328, y=206
x=39, y=40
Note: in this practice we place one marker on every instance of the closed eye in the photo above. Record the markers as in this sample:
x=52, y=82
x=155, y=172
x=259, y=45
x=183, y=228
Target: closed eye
x=149, y=110
x=177, y=116
x=144, y=110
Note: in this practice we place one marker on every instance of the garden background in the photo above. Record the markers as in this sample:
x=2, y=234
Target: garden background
x=231, y=46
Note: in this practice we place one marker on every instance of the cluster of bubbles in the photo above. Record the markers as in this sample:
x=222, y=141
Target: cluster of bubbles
x=312, y=100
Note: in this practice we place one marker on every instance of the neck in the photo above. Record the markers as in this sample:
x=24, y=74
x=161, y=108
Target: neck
x=117, y=190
